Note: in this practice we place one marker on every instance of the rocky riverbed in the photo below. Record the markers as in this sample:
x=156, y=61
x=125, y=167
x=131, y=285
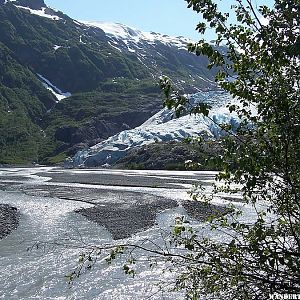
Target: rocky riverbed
x=65, y=212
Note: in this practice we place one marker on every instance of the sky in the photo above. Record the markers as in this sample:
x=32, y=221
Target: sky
x=163, y=16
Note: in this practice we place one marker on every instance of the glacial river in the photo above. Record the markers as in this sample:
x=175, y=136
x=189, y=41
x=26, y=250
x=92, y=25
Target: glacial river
x=47, y=214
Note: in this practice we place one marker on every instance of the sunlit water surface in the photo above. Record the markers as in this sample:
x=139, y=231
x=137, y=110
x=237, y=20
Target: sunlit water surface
x=40, y=273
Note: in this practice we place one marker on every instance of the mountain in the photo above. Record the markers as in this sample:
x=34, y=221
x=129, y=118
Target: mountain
x=160, y=55
x=66, y=85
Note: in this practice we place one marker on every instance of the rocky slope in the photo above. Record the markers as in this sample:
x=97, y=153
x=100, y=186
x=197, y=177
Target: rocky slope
x=172, y=156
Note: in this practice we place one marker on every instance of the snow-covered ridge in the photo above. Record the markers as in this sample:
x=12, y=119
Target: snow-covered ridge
x=129, y=34
x=156, y=52
x=162, y=127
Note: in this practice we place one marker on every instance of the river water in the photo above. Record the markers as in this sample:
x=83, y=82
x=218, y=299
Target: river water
x=30, y=273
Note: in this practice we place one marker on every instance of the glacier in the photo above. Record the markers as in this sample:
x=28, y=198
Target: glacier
x=162, y=127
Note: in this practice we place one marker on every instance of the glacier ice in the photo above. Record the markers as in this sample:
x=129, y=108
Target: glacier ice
x=162, y=127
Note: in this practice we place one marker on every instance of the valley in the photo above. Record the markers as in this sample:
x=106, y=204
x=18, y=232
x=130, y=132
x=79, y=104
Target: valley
x=141, y=165
x=74, y=91
x=67, y=210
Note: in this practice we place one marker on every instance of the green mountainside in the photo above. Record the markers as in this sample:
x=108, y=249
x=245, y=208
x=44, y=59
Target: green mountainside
x=111, y=90
x=23, y=103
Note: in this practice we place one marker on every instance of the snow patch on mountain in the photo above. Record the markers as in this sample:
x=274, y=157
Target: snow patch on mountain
x=114, y=46
x=53, y=89
x=163, y=127
x=41, y=13
x=38, y=8
x=56, y=47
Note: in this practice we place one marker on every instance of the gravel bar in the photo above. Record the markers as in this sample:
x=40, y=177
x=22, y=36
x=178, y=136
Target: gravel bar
x=9, y=219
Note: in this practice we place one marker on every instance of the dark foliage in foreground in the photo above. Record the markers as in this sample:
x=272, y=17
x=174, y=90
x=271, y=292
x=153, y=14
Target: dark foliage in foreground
x=258, y=256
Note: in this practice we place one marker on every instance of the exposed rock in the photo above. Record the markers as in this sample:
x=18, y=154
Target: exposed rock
x=65, y=133
x=97, y=130
x=172, y=155
x=9, y=219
